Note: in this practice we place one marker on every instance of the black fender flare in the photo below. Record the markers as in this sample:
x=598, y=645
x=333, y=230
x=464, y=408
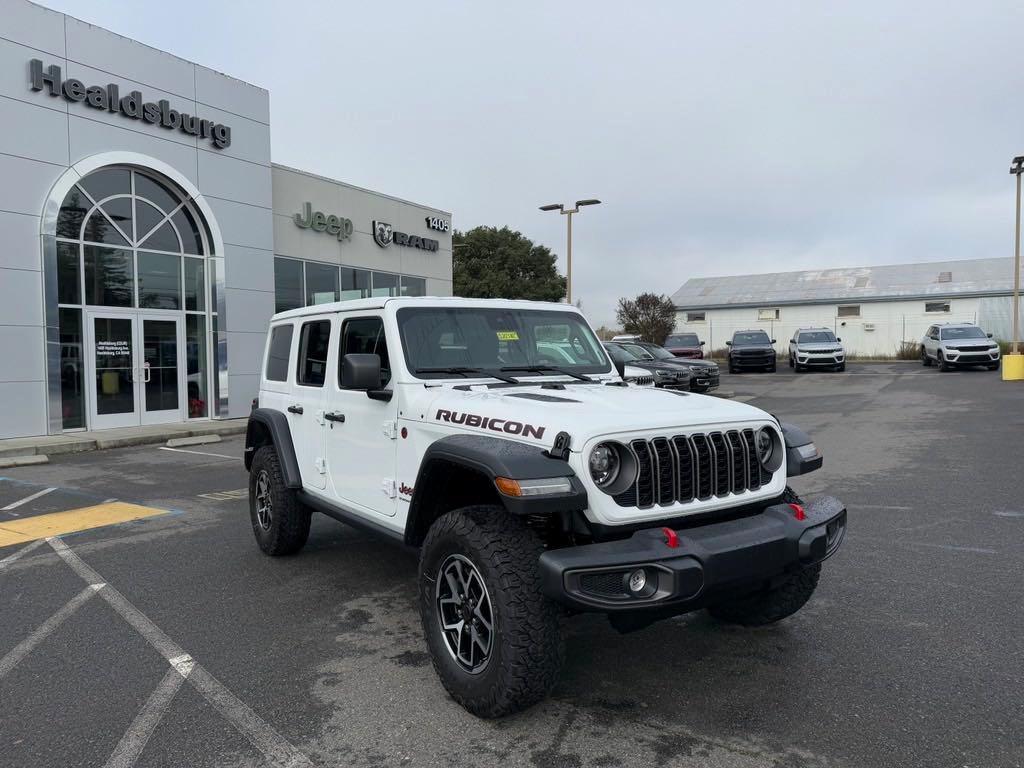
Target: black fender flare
x=267, y=426
x=490, y=457
x=797, y=461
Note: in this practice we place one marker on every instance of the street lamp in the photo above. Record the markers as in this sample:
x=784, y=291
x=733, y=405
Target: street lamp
x=568, y=241
x=1016, y=169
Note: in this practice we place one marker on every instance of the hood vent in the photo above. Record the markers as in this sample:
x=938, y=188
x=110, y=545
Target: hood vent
x=541, y=398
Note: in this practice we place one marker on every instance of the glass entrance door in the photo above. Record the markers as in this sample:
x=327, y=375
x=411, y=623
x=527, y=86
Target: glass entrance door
x=136, y=376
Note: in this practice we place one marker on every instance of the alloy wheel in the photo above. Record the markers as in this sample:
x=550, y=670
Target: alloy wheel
x=264, y=502
x=464, y=613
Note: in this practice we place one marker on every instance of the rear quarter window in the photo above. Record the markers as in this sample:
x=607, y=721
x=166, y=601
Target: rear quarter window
x=279, y=352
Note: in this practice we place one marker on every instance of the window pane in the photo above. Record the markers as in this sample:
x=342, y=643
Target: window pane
x=164, y=239
x=355, y=283
x=69, y=289
x=159, y=280
x=196, y=372
x=195, y=287
x=287, y=284
x=110, y=181
x=71, y=367
x=213, y=285
x=155, y=192
x=414, y=286
x=280, y=349
x=119, y=211
x=385, y=284
x=146, y=218
x=365, y=335
x=98, y=229
x=321, y=283
x=313, y=345
x=72, y=214
x=191, y=242
x=109, y=277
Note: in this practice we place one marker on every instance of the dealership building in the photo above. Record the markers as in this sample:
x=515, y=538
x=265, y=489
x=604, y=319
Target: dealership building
x=146, y=238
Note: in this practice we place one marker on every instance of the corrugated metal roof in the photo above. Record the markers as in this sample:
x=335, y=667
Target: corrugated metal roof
x=893, y=281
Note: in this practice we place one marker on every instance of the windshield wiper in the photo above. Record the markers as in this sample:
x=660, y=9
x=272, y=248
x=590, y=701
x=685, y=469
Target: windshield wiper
x=462, y=370
x=544, y=368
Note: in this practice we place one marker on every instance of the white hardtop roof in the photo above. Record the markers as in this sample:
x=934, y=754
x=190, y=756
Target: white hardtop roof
x=361, y=305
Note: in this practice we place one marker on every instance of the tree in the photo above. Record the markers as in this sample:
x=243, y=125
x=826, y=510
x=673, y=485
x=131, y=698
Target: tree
x=651, y=316
x=492, y=263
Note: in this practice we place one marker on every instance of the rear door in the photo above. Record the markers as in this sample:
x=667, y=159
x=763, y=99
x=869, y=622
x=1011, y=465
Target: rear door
x=306, y=407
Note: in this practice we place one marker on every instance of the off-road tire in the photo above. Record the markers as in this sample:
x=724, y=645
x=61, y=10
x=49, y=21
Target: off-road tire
x=925, y=360
x=288, y=527
x=526, y=647
x=776, y=603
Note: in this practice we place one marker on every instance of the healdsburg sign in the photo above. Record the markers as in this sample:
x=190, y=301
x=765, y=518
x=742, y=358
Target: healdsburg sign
x=109, y=98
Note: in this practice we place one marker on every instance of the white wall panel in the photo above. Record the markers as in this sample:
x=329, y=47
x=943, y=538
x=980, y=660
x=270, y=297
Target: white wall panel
x=248, y=311
x=245, y=352
x=225, y=177
x=19, y=241
x=251, y=268
x=14, y=74
x=231, y=95
x=40, y=134
x=89, y=137
x=21, y=297
x=34, y=26
x=23, y=351
x=26, y=184
x=29, y=418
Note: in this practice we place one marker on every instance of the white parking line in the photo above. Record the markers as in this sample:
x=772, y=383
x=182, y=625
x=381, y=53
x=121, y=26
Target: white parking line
x=137, y=736
x=27, y=499
x=20, y=553
x=200, y=453
x=278, y=750
x=22, y=649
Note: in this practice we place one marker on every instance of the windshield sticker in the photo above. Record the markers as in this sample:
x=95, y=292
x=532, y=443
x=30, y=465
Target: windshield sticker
x=508, y=336
x=495, y=425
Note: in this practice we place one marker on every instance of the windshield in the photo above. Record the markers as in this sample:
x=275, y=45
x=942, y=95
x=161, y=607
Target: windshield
x=757, y=337
x=817, y=337
x=682, y=340
x=962, y=333
x=639, y=352
x=659, y=353
x=439, y=338
x=620, y=354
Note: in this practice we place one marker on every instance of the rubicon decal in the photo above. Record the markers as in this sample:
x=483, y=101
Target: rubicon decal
x=504, y=426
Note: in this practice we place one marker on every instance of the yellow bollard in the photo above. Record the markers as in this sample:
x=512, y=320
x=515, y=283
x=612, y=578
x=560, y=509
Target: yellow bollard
x=1013, y=367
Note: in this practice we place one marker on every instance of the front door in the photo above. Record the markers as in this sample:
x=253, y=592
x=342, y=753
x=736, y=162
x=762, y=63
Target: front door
x=134, y=370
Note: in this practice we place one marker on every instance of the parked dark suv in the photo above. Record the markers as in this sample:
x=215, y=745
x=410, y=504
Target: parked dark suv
x=685, y=345
x=703, y=373
x=751, y=349
x=666, y=375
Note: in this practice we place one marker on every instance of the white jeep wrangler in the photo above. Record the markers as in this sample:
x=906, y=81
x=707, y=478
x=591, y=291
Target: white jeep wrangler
x=533, y=487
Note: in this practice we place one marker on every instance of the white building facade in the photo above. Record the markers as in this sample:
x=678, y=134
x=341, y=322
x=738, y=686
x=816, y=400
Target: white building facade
x=872, y=309
x=146, y=238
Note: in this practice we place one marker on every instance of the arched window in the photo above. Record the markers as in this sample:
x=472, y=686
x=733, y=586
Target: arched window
x=129, y=238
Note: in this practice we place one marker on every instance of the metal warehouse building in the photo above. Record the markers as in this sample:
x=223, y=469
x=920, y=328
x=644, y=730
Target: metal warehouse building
x=873, y=309
x=146, y=238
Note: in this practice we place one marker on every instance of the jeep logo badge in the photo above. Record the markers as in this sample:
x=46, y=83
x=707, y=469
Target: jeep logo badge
x=383, y=234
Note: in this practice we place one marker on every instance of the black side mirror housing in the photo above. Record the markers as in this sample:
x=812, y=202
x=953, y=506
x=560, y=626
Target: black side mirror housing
x=773, y=341
x=838, y=338
x=620, y=367
x=702, y=343
x=728, y=343
x=989, y=335
x=360, y=371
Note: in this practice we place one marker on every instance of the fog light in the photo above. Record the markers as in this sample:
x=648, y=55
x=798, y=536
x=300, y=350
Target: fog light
x=637, y=581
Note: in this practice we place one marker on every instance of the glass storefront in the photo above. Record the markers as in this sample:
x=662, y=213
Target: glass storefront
x=299, y=283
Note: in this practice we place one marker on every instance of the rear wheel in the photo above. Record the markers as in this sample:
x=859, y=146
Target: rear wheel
x=279, y=520
x=493, y=637
x=775, y=603
x=792, y=364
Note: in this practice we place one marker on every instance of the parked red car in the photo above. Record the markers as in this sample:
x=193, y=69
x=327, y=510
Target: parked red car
x=685, y=345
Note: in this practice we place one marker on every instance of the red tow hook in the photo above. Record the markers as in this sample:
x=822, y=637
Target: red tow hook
x=798, y=512
x=671, y=539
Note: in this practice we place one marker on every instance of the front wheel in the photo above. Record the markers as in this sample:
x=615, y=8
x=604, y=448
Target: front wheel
x=841, y=367
x=943, y=363
x=493, y=637
x=279, y=520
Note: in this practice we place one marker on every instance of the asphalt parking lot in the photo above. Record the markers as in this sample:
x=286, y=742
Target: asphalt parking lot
x=910, y=653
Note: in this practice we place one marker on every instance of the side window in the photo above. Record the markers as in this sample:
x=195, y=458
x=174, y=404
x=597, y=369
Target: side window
x=365, y=335
x=280, y=348
x=314, y=341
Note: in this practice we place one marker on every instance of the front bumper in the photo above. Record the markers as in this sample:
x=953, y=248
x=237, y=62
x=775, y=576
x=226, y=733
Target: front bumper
x=711, y=563
x=824, y=359
x=972, y=357
x=753, y=361
x=704, y=381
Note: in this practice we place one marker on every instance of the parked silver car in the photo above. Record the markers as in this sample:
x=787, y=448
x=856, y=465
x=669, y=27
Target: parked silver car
x=816, y=348
x=953, y=344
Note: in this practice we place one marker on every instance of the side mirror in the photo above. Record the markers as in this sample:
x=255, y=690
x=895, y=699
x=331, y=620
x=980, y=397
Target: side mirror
x=989, y=335
x=620, y=367
x=702, y=343
x=360, y=371
x=838, y=338
x=728, y=343
x=773, y=341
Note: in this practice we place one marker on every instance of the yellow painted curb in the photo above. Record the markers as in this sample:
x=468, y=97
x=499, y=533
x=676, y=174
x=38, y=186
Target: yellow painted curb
x=1013, y=367
x=58, y=523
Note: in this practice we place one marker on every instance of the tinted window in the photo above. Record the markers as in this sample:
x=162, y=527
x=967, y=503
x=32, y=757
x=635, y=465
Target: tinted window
x=159, y=280
x=817, y=337
x=365, y=335
x=287, y=284
x=313, y=346
x=659, y=353
x=963, y=333
x=639, y=352
x=759, y=337
x=277, y=357
x=682, y=340
x=321, y=283
x=618, y=354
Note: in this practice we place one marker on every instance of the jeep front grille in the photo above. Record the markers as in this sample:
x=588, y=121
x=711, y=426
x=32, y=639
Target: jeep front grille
x=700, y=466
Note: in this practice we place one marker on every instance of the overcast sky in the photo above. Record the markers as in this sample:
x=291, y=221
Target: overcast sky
x=722, y=138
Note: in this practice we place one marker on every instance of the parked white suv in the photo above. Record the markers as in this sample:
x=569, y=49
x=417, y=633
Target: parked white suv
x=532, y=486
x=957, y=344
x=816, y=348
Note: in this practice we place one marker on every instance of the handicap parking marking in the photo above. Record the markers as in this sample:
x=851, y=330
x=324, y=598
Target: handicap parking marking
x=240, y=493
x=33, y=497
x=29, y=529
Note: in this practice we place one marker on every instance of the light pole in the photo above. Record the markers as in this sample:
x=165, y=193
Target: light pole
x=568, y=238
x=1016, y=169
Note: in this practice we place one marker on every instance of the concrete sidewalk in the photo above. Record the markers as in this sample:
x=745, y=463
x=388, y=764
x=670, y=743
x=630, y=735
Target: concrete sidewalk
x=76, y=442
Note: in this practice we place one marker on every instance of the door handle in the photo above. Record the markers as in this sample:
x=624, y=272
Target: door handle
x=335, y=416
x=295, y=409
x=146, y=373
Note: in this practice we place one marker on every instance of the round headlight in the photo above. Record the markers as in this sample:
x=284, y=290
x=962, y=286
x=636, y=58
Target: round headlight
x=765, y=445
x=604, y=464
